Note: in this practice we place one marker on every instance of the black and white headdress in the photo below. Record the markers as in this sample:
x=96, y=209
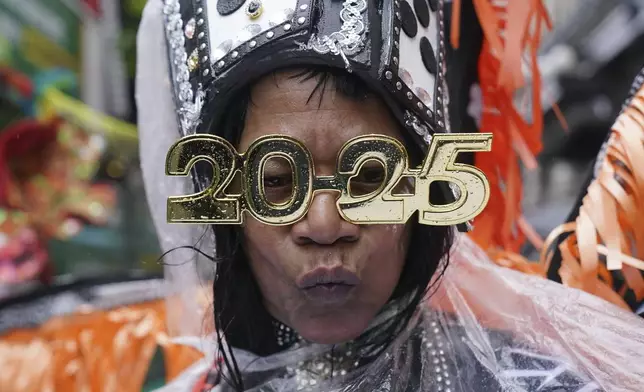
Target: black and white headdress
x=396, y=46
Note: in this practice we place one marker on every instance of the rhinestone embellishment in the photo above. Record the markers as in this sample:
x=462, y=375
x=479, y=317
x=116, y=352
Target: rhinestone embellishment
x=191, y=28
x=254, y=9
x=190, y=104
x=193, y=60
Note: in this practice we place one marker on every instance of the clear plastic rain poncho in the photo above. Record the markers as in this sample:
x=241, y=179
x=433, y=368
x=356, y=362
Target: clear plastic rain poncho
x=484, y=327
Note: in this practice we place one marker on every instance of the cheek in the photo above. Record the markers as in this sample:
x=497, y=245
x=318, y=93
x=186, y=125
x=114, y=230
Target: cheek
x=264, y=245
x=388, y=248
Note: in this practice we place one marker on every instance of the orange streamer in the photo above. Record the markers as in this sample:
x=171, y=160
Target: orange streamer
x=609, y=223
x=104, y=351
x=511, y=30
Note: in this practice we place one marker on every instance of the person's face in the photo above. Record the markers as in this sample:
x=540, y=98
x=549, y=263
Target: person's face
x=323, y=276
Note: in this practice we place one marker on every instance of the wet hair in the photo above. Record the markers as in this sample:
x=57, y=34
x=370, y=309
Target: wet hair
x=240, y=316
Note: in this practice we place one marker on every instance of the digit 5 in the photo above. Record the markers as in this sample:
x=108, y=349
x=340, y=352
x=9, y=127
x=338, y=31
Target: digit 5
x=440, y=166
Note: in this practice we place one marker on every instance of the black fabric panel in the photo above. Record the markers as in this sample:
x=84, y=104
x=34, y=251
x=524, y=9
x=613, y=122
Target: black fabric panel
x=462, y=71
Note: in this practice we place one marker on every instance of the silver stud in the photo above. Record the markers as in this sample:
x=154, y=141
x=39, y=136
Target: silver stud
x=429, y=113
x=200, y=22
x=398, y=85
x=397, y=15
x=202, y=46
x=206, y=72
x=204, y=59
x=252, y=44
x=201, y=35
x=304, y=7
x=287, y=27
x=270, y=35
x=410, y=95
x=301, y=20
x=199, y=10
x=396, y=60
x=389, y=75
x=235, y=54
x=420, y=105
x=221, y=64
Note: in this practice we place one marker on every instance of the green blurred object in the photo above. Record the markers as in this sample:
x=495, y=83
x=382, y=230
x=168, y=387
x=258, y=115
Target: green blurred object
x=6, y=55
x=132, y=11
x=42, y=35
x=8, y=112
x=127, y=243
x=156, y=373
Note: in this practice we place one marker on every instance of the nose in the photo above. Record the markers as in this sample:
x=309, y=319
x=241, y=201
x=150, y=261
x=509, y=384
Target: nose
x=323, y=224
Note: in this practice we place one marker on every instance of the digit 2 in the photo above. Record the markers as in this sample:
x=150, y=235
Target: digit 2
x=380, y=206
x=210, y=205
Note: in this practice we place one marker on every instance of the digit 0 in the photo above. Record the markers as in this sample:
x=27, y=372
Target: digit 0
x=210, y=205
x=283, y=212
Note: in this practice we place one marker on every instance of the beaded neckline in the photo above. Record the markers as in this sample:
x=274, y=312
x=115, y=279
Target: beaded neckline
x=345, y=358
x=284, y=334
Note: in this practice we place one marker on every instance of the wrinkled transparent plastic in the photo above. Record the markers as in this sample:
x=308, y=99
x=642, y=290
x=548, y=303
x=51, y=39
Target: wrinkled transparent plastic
x=498, y=329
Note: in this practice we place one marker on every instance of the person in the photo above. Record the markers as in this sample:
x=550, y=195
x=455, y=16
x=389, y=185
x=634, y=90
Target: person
x=325, y=304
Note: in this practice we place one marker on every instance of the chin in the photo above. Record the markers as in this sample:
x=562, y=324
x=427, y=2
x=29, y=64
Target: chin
x=333, y=327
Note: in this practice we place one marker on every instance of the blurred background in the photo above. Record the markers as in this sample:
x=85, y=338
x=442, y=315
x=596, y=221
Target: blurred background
x=73, y=214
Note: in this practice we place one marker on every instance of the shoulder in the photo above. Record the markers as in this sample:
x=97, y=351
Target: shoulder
x=494, y=360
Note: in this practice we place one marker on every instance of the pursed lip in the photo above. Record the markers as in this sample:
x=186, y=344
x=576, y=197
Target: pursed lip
x=328, y=286
x=327, y=276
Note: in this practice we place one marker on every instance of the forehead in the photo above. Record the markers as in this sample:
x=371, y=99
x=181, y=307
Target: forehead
x=284, y=103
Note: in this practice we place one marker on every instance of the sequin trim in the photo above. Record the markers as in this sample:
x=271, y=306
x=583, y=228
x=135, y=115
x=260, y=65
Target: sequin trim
x=350, y=39
x=190, y=104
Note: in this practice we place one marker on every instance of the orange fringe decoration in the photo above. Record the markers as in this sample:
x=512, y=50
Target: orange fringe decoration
x=610, y=220
x=510, y=30
x=102, y=351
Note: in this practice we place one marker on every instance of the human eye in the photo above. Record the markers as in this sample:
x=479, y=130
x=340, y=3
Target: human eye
x=277, y=180
x=369, y=179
